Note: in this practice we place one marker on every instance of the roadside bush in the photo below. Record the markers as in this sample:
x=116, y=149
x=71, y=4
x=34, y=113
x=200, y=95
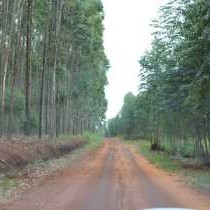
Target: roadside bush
x=91, y=136
x=32, y=124
x=182, y=150
x=187, y=150
x=157, y=147
x=171, y=149
x=94, y=139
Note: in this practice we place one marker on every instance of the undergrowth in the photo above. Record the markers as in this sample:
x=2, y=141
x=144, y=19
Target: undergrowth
x=159, y=159
x=7, y=186
x=94, y=140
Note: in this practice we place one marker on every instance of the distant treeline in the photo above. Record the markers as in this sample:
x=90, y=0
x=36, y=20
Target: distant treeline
x=52, y=66
x=173, y=104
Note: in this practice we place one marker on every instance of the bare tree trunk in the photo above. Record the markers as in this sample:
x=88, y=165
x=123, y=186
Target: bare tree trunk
x=28, y=67
x=3, y=64
x=42, y=88
x=56, y=80
x=16, y=6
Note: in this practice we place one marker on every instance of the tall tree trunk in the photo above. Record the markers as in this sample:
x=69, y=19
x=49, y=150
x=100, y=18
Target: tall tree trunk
x=4, y=61
x=28, y=68
x=16, y=50
x=42, y=88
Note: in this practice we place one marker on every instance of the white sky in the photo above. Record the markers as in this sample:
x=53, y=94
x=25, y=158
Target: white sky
x=127, y=35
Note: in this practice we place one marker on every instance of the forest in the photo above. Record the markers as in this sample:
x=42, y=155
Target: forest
x=172, y=108
x=58, y=150
x=52, y=67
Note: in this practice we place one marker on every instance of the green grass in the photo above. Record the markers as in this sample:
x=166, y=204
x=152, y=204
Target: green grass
x=94, y=140
x=7, y=185
x=182, y=150
x=159, y=159
x=199, y=178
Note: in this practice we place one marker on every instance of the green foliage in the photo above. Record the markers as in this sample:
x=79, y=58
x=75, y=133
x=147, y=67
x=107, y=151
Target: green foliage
x=125, y=122
x=94, y=139
x=174, y=94
x=113, y=128
x=18, y=100
x=187, y=150
x=32, y=124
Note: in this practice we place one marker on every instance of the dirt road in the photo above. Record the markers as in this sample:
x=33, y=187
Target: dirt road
x=113, y=178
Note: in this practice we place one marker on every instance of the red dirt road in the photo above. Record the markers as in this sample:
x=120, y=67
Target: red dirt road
x=114, y=177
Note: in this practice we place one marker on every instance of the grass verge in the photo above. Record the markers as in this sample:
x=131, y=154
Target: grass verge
x=198, y=177
x=159, y=159
x=93, y=140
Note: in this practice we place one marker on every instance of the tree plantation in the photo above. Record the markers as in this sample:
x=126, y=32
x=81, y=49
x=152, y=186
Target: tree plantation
x=172, y=108
x=52, y=66
x=59, y=150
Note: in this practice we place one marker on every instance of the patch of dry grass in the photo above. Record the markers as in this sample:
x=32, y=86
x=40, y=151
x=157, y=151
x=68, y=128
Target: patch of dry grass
x=16, y=154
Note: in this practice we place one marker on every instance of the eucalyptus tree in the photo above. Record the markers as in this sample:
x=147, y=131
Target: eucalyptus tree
x=180, y=79
x=52, y=66
x=173, y=101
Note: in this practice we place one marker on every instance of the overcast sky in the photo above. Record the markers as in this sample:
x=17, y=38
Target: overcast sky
x=127, y=35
